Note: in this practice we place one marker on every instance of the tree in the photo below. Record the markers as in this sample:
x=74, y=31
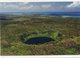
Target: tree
x=24, y=37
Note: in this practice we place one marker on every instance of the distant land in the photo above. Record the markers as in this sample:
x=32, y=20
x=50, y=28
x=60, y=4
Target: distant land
x=42, y=13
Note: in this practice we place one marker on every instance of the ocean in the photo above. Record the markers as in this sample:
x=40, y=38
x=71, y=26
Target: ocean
x=43, y=13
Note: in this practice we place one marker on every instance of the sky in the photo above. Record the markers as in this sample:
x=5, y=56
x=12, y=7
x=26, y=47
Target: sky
x=39, y=6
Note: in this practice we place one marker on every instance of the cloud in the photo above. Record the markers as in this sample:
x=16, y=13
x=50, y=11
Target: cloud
x=26, y=7
x=13, y=5
x=74, y=4
x=23, y=3
x=39, y=7
x=23, y=6
x=45, y=6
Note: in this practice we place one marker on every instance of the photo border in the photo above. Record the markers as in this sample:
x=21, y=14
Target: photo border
x=37, y=0
x=41, y=56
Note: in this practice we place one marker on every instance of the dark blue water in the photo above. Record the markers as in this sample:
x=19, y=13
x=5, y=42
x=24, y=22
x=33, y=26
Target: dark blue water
x=65, y=14
x=44, y=13
x=38, y=40
x=58, y=13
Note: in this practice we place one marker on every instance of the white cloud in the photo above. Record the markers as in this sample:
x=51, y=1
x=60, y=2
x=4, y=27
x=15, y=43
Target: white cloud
x=12, y=5
x=23, y=3
x=74, y=4
x=26, y=7
x=46, y=6
x=34, y=7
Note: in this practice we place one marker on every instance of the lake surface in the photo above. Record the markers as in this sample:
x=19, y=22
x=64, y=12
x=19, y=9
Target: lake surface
x=38, y=40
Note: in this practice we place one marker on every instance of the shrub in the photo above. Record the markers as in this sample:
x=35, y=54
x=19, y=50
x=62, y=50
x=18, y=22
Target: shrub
x=68, y=43
x=24, y=36
x=5, y=44
x=56, y=35
x=47, y=49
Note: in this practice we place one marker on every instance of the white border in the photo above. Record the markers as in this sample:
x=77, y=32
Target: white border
x=55, y=56
x=37, y=0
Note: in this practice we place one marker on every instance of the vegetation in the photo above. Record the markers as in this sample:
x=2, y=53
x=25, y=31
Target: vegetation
x=64, y=30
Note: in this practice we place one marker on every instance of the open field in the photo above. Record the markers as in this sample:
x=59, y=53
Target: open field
x=37, y=26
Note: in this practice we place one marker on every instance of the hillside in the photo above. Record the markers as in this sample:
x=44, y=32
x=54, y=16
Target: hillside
x=67, y=44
